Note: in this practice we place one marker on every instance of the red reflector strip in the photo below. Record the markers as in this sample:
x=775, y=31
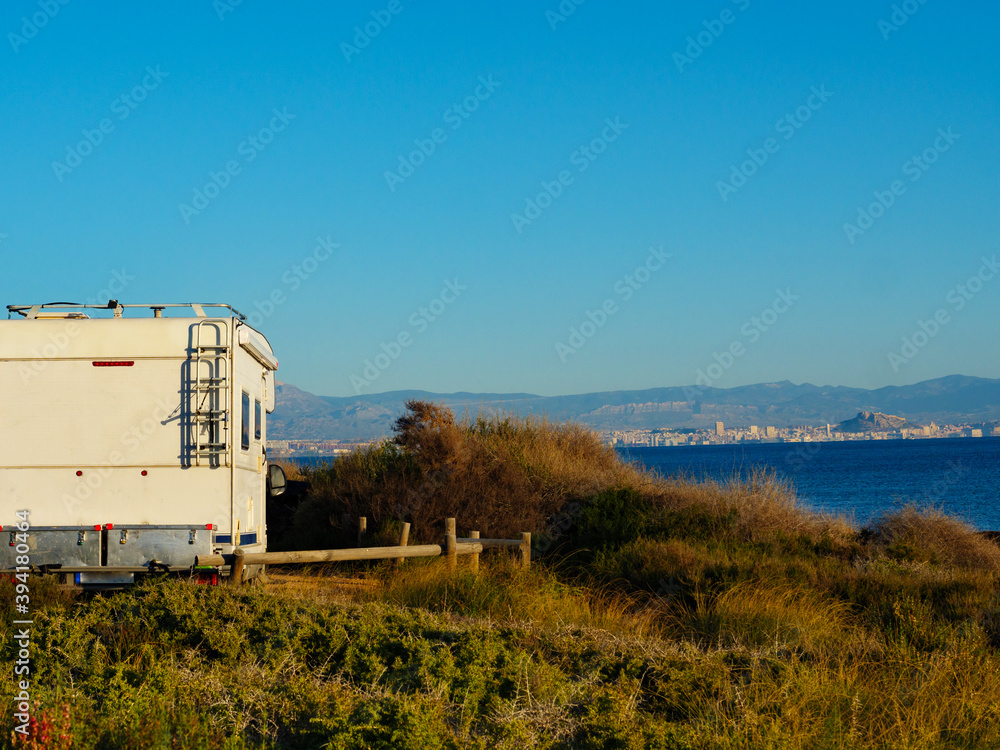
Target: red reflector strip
x=112, y=363
x=208, y=526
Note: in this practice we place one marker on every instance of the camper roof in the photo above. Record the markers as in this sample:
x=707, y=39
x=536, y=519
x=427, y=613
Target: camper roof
x=75, y=310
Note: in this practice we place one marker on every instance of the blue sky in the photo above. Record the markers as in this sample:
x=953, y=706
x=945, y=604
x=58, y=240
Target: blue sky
x=521, y=196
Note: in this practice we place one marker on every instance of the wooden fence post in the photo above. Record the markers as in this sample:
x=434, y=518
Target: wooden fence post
x=450, y=544
x=345, y=528
x=525, y=550
x=236, y=569
x=362, y=531
x=474, y=557
x=404, y=538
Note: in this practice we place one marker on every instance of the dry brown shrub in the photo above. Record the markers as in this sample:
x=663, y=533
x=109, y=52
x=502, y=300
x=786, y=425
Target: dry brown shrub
x=515, y=472
x=939, y=536
x=428, y=433
x=494, y=473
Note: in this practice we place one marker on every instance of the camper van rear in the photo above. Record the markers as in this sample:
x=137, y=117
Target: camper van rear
x=134, y=443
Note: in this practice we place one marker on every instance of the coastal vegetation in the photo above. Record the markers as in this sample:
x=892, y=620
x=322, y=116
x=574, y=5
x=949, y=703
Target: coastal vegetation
x=658, y=613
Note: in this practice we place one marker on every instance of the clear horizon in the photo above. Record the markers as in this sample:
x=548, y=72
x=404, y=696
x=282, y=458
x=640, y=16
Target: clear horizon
x=553, y=199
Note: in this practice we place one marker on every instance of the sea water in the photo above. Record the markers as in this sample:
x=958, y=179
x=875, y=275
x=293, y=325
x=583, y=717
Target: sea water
x=857, y=479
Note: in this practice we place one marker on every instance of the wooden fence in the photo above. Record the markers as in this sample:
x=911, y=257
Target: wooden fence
x=452, y=547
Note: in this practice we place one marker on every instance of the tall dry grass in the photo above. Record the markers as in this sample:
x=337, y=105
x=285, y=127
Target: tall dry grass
x=756, y=508
x=755, y=615
x=502, y=592
x=931, y=535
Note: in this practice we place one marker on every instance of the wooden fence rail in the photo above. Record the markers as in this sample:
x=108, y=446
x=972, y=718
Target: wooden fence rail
x=335, y=555
x=453, y=547
x=489, y=542
x=523, y=544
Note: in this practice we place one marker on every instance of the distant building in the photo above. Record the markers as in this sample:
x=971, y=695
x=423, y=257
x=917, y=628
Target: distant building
x=720, y=429
x=770, y=431
x=754, y=430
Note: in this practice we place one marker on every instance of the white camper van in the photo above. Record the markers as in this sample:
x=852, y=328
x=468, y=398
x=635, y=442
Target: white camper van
x=132, y=438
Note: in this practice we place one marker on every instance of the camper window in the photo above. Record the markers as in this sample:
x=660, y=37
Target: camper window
x=256, y=429
x=246, y=421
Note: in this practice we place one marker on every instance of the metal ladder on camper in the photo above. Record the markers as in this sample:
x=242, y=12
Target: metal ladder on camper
x=210, y=394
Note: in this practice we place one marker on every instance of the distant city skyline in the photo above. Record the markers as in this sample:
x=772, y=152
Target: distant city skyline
x=957, y=400
x=625, y=438
x=552, y=199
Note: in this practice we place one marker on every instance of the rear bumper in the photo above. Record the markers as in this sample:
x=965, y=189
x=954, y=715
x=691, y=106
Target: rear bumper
x=126, y=548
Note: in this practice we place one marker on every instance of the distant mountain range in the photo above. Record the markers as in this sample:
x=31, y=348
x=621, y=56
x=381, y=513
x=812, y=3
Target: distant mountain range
x=956, y=399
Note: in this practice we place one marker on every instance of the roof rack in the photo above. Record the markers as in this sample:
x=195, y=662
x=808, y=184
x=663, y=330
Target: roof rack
x=31, y=312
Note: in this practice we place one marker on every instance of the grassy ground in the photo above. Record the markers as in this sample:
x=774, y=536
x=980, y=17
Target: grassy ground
x=418, y=658
x=658, y=614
